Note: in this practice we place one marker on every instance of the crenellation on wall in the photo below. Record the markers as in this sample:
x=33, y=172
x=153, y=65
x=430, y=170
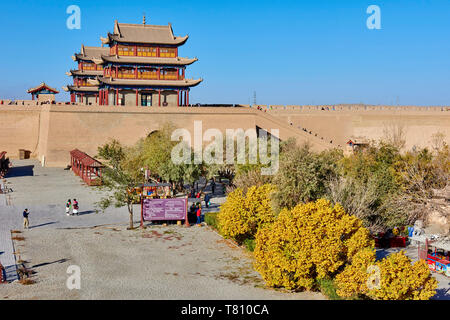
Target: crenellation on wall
x=356, y=107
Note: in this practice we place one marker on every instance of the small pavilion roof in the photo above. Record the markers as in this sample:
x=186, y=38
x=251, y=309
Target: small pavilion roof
x=85, y=159
x=143, y=33
x=357, y=141
x=91, y=53
x=148, y=83
x=81, y=89
x=41, y=87
x=84, y=73
x=179, y=61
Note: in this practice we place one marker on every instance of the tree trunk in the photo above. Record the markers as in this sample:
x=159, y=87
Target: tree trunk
x=206, y=183
x=130, y=211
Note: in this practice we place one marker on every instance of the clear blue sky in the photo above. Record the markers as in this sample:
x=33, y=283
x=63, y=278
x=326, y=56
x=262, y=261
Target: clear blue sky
x=289, y=52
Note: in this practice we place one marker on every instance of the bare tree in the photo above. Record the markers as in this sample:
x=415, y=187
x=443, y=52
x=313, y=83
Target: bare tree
x=394, y=133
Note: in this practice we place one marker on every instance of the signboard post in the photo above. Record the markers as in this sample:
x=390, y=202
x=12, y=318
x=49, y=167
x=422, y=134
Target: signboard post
x=164, y=209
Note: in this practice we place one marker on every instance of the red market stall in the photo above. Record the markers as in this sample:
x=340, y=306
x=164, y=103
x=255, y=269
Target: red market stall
x=86, y=167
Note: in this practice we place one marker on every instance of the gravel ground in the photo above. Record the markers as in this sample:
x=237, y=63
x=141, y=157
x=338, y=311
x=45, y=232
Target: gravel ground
x=171, y=262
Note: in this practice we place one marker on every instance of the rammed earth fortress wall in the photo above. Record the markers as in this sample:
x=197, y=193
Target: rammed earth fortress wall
x=342, y=122
x=51, y=131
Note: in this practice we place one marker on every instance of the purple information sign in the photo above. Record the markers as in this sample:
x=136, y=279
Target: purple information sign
x=164, y=209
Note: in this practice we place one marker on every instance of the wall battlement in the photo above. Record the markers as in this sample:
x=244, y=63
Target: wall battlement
x=350, y=108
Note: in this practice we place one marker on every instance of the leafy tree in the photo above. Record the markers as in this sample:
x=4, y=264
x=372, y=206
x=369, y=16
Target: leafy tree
x=303, y=174
x=155, y=154
x=119, y=178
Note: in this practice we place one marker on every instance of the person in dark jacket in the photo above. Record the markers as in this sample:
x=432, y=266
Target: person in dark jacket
x=26, y=222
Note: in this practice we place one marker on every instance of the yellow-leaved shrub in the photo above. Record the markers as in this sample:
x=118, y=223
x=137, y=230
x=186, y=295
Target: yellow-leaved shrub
x=402, y=280
x=396, y=279
x=241, y=215
x=353, y=280
x=310, y=242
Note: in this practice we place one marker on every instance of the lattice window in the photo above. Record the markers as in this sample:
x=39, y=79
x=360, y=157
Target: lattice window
x=167, y=52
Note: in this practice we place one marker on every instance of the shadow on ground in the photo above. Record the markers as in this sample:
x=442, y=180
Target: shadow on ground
x=48, y=263
x=43, y=224
x=23, y=171
x=442, y=294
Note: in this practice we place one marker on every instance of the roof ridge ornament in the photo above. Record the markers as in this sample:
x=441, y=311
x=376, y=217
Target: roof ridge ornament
x=143, y=20
x=171, y=31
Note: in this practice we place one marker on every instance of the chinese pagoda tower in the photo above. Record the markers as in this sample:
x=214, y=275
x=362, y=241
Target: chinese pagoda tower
x=82, y=90
x=140, y=67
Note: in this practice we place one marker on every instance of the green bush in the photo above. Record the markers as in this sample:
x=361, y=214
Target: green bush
x=211, y=219
x=328, y=288
x=250, y=244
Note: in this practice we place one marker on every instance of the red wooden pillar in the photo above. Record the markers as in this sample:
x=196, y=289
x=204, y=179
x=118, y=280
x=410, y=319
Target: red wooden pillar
x=135, y=73
x=159, y=97
x=184, y=73
x=117, y=97
x=137, y=97
x=117, y=72
x=135, y=51
x=159, y=73
x=96, y=98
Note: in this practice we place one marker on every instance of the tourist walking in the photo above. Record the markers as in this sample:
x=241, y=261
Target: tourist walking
x=75, y=207
x=199, y=213
x=68, y=206
x=213, y=186
x=207, y=199
x=26, y=222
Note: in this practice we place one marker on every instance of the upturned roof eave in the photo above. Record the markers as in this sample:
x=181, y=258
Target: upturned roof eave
x=178, y=41
x=147, y=60
x=83, y=89
x=157, y=83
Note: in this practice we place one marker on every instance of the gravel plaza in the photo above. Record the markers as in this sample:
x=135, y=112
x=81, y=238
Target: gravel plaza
x=160, y=262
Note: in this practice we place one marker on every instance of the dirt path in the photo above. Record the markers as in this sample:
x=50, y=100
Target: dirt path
x=158, y=263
